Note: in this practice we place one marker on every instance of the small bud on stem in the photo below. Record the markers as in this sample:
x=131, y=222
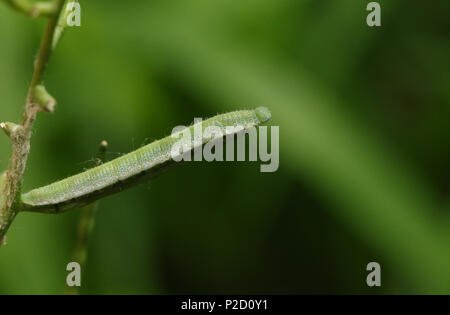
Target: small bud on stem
x=10, y=128
x=44, y=99
x=101, y=155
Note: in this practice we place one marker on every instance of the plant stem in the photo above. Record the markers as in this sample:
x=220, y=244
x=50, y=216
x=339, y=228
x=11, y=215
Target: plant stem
x=85, y=225
x=34, y=8
x=21, y=138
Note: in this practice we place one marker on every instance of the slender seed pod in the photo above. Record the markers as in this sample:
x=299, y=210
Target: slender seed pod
x=126, y=171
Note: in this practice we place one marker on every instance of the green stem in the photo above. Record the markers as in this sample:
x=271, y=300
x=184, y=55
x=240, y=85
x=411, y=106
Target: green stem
x=85, y=225
x=11, y=189
x=33, y=8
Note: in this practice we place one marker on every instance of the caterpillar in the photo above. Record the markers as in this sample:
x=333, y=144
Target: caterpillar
x=128, y=170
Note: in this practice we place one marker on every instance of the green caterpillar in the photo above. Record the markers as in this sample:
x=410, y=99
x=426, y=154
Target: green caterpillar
x=114, y=176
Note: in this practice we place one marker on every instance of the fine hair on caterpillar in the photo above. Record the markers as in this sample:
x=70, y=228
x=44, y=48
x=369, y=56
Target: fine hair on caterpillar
x=189, y=145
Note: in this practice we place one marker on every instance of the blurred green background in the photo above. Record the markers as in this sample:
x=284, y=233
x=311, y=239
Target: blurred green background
x=364, y=140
